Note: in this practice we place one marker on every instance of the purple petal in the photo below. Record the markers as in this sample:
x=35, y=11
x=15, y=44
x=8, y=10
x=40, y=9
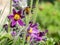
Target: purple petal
x=13, y=33
x=22, y=16
x=15, y=1
x=14, y=11
x=10, y=16
x=30, y=23
x=21, y=22
x=42, y=34
x=35, y=25
x=20, y=11
x=13, y=23
x=15, y=5
x=28, y=28
x=35, y=30
x=38, y=38
x=5, y=26
x=33, y=35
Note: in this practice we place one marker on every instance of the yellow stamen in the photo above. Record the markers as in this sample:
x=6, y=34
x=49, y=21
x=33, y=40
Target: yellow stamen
x=17, y=17
x=30, y=31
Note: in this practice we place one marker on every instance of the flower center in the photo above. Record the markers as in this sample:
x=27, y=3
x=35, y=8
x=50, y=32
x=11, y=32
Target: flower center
x=30, y=31
x=17, y=17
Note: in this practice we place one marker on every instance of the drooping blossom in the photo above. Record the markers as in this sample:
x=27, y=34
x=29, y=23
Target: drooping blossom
x=5, y=26
x=20, y=3
x=16, y=4
x=16, y=17
x=34, y=34
x=13, y=33
x=15, y=1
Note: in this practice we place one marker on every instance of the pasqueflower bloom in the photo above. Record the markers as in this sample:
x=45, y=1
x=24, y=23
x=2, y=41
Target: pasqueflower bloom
x=34, y=33
x=20, y=3
x=33, y=28
x=5, y=26
x=38, y=36
x=16, y=17
x=13, y=33
x=16, y=4
x=33, y=25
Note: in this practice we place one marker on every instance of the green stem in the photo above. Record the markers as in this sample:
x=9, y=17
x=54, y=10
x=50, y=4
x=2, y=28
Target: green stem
x=10, y=13
x=31, y=4
x=10, y=6
x=24, y=38
x=36, y=10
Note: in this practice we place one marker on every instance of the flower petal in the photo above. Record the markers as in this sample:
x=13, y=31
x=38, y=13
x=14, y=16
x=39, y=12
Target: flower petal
x=10, y=16
x=22, y=16
x=35, y=30
x=33, y=35
x=41, y=34
x=15, y=5
x=20, y=11
x=13, y=33
x=28, y=29
x=13, y=23
x=15, y=1
x=35, y=25
x=14, y=11
x=38, y=38
x=21, y=22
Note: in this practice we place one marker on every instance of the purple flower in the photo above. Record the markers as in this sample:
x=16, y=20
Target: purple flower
x=16, y=17
x=32, y=25
x=15, y=1
x=32, y=30
x=34, y=33
x=5, y=26
x=41, y=34
x=20, y=4
x=13, y=33
x=34, y=37
x=16, y=4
